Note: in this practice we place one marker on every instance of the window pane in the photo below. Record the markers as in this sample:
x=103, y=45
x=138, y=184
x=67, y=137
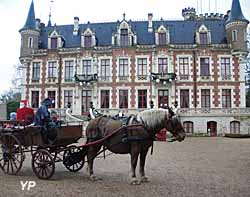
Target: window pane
x=105, y=99
x=69, y=69
x=68, y=98
x=35, y=99
x=123, y=99
x=36, y=71
x=204, y=65
x=142, y=98
x=184, y=97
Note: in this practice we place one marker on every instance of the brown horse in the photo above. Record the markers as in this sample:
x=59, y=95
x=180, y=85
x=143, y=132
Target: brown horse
x=135, y=141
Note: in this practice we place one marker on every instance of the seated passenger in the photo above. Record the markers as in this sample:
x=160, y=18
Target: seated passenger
x=43, y=119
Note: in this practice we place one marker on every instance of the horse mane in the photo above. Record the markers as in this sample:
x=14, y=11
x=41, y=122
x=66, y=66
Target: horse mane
x=153, y=119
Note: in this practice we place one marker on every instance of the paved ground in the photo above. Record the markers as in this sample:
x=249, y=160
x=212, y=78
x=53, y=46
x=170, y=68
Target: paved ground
x=195, y=167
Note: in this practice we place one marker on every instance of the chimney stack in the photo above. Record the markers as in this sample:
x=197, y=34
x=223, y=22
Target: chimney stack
x=76, y=25
x=150, y=22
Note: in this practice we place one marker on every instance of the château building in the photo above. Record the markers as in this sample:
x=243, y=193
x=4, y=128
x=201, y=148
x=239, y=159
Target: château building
x=130, y=65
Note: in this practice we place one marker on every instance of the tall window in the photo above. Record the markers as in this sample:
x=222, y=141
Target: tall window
x=53, y=43
x=226, y=98
x=35, y=99
x=88, y=41
x=163, y=65
x=105, y=99
x=52, y=71
x=86, y=67
x=30, y=42
x=204, y=63
x=142, y=98
x=52, y=96
x=124, y=37
x=188, y=127
x=123, y=99
x=105, y=69
x=184, y=97
x=162, y=38
x=36, y=71
x=68, y=98
x=86, y=99
x=234, y=35
x=142, y=68
x=203, y=38
x=225, y=68
x=235, y=127
x=184, y=68
x=162, y=98
x=123, y=69
x=205, y=98
x=69, y=70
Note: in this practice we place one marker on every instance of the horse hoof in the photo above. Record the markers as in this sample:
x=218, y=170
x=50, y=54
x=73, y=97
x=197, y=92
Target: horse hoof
x=144, y=179
x=94, y=178
x=134, y=181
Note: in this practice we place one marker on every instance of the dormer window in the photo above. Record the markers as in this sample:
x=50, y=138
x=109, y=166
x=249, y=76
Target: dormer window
x=87, y=41
x=203, y=35
x=203, y=38
x=88, y=38
x=162, y=36
x=53, y=43
x=124, y=37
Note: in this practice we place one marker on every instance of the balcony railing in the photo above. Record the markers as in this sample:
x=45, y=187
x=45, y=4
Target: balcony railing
x=205, y=77
x=214, y=111
x=142, y=77
x=86, y=79
x=163, y=77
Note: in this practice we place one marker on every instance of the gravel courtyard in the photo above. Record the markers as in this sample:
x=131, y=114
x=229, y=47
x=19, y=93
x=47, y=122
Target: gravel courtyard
x=195, y=167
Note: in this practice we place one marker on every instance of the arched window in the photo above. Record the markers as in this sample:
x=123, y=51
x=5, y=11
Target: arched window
x=234, y=35
x=188, y=127
x=203, y=35
x=235, y=127
x=30, y=42
x=55, y=41
x=162, y=35
x=88, y=38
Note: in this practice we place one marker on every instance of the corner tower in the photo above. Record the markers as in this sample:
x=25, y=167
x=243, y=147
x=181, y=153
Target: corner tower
x=236, y=27
x=29, y=34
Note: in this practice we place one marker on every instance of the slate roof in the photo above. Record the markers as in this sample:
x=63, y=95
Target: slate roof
x=181, y=32
x=31, y=19
x=236, y=13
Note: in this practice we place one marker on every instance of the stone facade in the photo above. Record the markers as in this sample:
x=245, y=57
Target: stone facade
x=205, y=76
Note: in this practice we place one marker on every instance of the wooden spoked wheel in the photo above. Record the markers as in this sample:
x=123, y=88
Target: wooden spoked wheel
x=43, y=164
x=77, y=166
x=11, y=154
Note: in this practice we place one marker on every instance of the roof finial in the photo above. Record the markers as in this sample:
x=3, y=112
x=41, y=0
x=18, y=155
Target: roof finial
x=50, y=8
x=124, y=15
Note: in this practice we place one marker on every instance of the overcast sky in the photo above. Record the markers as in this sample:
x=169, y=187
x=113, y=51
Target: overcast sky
x=13, y=15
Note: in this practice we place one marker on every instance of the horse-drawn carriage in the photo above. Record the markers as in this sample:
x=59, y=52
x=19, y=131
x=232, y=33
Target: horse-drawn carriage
x=18, y=139
x=134, y=138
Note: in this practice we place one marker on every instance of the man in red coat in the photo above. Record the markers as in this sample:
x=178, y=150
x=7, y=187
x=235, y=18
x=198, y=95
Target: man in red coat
x=25, y=113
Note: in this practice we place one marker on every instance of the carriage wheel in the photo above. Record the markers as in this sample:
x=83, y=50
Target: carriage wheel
x=11, y=154
x=76, y=167
x=43, y=164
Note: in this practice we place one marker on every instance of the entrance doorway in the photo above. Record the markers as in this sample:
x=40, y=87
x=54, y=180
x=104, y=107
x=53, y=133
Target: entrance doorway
x=212, y=128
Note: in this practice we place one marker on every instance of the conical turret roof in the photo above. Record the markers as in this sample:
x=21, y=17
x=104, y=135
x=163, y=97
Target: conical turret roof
x=31, y=20
x=236, y=13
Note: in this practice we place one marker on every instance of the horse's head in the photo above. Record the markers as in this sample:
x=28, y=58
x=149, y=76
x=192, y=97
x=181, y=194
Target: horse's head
x=175, y=127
